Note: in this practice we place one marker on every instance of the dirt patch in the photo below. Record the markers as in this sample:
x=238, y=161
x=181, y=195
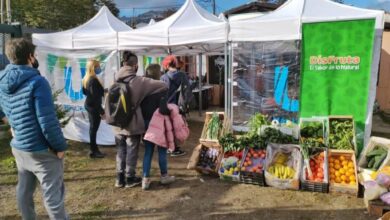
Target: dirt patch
x=91, y=193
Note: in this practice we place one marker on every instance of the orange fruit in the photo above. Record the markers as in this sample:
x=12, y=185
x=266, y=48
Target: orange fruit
x=332, y=170
x=350, y=164
x=343, y=178
x=341, y=171
x=342, y=158
x=336, y=161
x=337, y=174
x=352, y=182
x=331, y=160
x=331, y=165
x=338, y=180
x=344, y=163
x=352, y=178
x=337, y=166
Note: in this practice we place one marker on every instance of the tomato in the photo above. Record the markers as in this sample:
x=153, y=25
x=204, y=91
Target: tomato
x=312, y=163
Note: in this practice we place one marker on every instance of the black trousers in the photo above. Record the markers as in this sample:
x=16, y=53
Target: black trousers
x=94, y=123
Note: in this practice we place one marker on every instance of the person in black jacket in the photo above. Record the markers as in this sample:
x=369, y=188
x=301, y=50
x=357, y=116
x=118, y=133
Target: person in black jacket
x=94, y=91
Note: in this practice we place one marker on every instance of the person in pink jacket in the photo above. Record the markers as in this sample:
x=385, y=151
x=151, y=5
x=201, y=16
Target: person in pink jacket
x=148, y=106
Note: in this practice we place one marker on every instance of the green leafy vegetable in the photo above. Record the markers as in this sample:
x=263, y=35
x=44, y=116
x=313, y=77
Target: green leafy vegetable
x=341, y=134
x=255, y=123
x=213, y=127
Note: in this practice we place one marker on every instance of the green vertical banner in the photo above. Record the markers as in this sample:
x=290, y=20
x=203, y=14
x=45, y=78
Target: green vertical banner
x=336, y=65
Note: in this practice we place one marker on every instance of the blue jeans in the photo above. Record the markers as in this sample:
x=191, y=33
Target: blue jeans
x=162, y=157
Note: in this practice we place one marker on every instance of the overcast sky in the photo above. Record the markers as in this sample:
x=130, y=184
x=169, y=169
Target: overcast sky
x=126, y=6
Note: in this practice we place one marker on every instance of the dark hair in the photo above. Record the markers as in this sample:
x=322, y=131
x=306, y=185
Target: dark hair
x=153, y=71
x=18, y=50
x=129, y=59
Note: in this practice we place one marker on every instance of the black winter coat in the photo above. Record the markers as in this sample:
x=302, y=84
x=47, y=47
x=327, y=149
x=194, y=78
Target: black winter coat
x=95, y=94
x=150, y=104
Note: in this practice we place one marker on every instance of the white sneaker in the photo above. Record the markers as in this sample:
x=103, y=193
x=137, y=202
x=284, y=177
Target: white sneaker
x=146, y=183
x=165, y=180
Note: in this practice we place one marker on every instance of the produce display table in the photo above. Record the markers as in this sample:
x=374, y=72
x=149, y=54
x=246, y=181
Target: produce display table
x=205, y=96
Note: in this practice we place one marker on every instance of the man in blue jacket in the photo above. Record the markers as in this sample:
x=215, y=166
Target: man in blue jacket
x=38, y=143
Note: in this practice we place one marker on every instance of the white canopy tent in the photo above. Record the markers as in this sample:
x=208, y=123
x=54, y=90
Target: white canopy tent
x=191, y=30
x=286, y=23
x=282, y=24
x=100, y=32
x=97, y=36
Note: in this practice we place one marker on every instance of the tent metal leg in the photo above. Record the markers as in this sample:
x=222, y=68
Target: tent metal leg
x=200, y=84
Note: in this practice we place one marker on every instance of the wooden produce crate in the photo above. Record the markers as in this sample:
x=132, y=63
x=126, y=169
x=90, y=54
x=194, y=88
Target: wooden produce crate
x=335, y=187
x=204, y=156
x=314, y=186
x=305, y=121
x=248, y=174
x=225, y=127
x=362, y=164
x=223, y=171
x=341, y=118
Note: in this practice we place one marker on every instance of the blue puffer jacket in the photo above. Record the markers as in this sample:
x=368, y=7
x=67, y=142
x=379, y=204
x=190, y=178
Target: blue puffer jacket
x=26, y=100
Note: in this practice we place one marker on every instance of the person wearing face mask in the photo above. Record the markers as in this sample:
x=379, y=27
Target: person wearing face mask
x=38, y=143
x=35, y=63
x=94, y=92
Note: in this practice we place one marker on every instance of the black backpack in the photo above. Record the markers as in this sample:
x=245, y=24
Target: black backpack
x=186, y=100
x=119, y=108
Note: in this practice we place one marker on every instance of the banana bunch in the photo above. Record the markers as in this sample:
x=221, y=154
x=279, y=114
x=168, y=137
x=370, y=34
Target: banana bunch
x=281, y=158
x=281, y=171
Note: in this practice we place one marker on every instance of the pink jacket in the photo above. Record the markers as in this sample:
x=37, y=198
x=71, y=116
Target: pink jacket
x=163, y=130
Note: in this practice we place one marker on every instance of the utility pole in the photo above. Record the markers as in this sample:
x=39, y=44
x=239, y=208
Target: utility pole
x=9, y=11
x=2, y=11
